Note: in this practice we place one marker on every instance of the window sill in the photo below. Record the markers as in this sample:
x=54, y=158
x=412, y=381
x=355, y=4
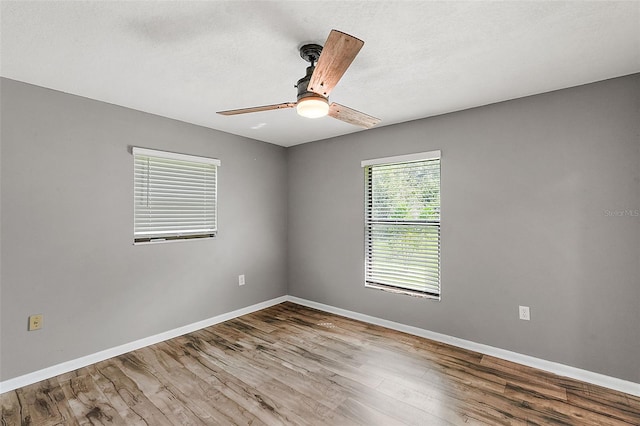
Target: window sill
x=143, y=242
x=404, y=291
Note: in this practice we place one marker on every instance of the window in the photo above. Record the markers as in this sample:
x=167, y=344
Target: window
x=402, y=224
x=174, y=196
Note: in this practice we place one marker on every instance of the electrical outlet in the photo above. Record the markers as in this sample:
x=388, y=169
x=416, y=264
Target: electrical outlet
x=35, y=322
x=524, y=313
x=241, y=279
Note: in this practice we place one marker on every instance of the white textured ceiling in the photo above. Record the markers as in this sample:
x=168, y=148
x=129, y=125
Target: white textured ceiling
x=186, y=60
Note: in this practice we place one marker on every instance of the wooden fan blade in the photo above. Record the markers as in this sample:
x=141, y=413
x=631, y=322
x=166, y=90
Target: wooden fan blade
x=351, y=116
x=338, y=52
x=258, y=109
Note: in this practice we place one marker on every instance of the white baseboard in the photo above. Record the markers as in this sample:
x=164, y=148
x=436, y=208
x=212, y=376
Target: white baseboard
x=552, y=367
x=65, y=367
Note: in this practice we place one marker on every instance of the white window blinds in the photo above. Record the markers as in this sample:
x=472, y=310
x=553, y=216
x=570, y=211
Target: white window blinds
x=175, y=196
x=402, y=223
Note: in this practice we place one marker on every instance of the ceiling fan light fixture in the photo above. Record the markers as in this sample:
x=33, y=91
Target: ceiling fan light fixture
x=312, y=107
x=327, y=65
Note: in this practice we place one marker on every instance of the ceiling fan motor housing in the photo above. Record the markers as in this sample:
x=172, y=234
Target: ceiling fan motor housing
x=303, y=84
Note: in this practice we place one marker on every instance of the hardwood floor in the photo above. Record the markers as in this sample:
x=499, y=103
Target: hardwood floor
x=289, y=364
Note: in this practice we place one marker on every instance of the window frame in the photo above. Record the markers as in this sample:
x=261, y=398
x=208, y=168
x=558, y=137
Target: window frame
x=367, y=165
x=173, y=235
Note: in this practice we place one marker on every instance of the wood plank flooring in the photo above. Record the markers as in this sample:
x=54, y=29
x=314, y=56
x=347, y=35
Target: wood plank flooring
x=289, y=364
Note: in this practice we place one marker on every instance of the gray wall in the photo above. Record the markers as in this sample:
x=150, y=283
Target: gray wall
x=67, y=229
x=525, y=186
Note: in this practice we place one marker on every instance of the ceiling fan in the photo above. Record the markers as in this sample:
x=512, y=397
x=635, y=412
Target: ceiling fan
x=328, y=65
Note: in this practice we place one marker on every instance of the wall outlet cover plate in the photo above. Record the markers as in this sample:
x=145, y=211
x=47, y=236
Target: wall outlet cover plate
x=35, y=322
